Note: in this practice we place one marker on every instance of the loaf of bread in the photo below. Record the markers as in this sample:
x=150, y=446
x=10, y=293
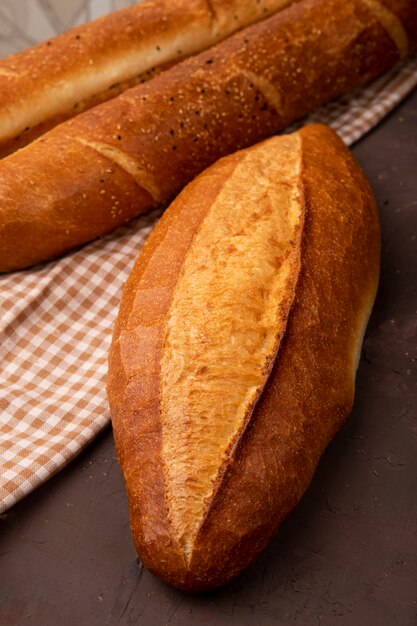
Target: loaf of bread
x=235, y=350
x=58, y=78
x=93, y=173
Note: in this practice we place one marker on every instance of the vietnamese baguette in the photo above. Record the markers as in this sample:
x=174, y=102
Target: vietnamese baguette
x=235, y=350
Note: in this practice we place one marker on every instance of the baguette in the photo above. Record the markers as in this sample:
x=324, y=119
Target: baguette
x=235, y=350
x=93, y=173
x=53, y=81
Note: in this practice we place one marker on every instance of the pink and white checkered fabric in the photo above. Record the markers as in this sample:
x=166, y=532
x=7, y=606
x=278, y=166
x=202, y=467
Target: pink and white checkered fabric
x=56, y=324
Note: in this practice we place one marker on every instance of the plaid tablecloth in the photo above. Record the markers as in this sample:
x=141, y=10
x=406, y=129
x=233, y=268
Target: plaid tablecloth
x=56, y=323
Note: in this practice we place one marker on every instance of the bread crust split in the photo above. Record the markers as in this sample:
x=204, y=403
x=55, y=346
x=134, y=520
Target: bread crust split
x=97, y=171
x=235, y=349
x=55, y=80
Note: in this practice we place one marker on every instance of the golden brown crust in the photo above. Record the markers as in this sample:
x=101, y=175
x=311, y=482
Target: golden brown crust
x=239, y=92
x=236, y=283
x=57, y=79
x=161, y=259
x=32, y=132
x=308, y=394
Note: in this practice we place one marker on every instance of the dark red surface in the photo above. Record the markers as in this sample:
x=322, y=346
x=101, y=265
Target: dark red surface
x=348, y=553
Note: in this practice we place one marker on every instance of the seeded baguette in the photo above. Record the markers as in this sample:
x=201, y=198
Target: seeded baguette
x=57, y=79
x=235, y=350
x=97, y=171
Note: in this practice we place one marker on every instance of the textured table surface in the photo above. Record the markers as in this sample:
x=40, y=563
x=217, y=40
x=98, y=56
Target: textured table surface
x=348, y=553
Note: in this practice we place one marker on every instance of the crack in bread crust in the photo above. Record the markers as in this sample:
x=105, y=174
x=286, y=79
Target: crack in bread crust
x=391, y=23
x=267, y=89
x=143, y=178
x=236, y=285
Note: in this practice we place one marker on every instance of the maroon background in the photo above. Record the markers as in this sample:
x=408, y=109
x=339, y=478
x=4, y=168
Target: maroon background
x=348, y=553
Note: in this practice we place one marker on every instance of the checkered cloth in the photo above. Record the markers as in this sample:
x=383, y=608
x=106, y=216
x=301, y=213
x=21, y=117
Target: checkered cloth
x=56, y=324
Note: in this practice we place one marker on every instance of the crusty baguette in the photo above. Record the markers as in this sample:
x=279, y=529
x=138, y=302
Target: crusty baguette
x=53, y=81
x=235, y=350
x=107, y=165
